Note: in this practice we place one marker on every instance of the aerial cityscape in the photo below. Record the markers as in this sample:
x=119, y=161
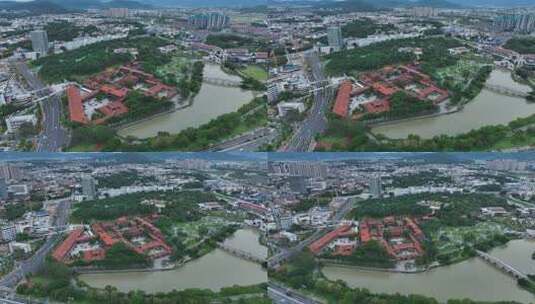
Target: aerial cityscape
x=267, y=151
x=286, y=76
x=267, y=227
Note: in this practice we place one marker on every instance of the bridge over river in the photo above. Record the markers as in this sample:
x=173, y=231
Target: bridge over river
x=222, y=82
x=506, y=91
x=501, y=265
x=241, y=254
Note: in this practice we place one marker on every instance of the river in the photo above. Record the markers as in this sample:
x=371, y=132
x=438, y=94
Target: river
x=211, y=102
x=488, y=108
x=212, y=271
x=474, y=279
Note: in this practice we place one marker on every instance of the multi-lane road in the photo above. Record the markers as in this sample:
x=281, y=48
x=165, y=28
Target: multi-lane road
x=287, y=254
x=315, y=122
x=34, y=263
x=250, y=141
x=282, y=295
x=53, y=137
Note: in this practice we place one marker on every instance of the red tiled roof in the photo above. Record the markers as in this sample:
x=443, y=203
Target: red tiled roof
x=136, y=72
x=364, y=230
x=341, y=106
x=318, y=245
x=94, y=255
x=64, y=248
x=384, y=89
x=253, y=207
x=432, y=89
x=414, y=228
x=344, y=250
x=104, y=236
x=157, y=89
x=115, y=108
x=119, y=93
x=377, y=106
x=76, y=108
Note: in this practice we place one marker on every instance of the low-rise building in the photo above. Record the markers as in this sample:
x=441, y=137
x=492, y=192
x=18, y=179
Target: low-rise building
x=286, y=107
x=14, y=122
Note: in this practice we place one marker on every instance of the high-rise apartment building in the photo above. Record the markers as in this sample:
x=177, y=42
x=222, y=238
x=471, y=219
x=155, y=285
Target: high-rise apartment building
x=3, y=189
x=39, y=40
x=88, y=187
x=304, y=168
x=518, y=23
x=209, y=21
x=117, y=12
x=376, y=187
x=9, y=172
x=334, y=36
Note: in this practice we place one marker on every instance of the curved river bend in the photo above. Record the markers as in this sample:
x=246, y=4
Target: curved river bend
x=211, y=102
x=473, y=279
x=212, y=271
x=488, y=108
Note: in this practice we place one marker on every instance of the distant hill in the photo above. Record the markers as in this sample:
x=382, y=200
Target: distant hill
x=206, y=3
x=87, y=4
x=36, y=7
x=78, y=4
x=437, y=3
x=61, y=6
x=496, y=3
x=368, y=5
x=127, y=4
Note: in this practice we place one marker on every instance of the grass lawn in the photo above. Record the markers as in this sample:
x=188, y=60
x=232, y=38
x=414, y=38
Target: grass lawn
x=451, y=239
x=40, y=280
x=332, y=141
x=83, y=148
x=461, y=73
x=179, y=66
x=255, y=72
x=192, y=230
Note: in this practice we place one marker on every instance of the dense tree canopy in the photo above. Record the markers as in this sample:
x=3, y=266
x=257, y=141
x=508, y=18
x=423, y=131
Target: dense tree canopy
x=522, y=45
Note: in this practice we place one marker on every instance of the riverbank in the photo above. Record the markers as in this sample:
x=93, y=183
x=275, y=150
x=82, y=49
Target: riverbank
x=327, y=263
x=453, y=110
x=215, y=270
x=459, y=280
x=210, y=103
x=488, y=108
x=56, y=283
x=120, y=126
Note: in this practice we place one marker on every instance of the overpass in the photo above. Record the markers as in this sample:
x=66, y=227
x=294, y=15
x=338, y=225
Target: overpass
x=241, y=254
x=506, y=91
x=222, y=82
x=501, y=265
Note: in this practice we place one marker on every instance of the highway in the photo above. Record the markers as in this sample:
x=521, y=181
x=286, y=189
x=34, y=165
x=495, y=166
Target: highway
x=315, y=122
x=53, y=137
x=33, y=264
x=283, y=295
x=250, y=141
x=288, y=254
